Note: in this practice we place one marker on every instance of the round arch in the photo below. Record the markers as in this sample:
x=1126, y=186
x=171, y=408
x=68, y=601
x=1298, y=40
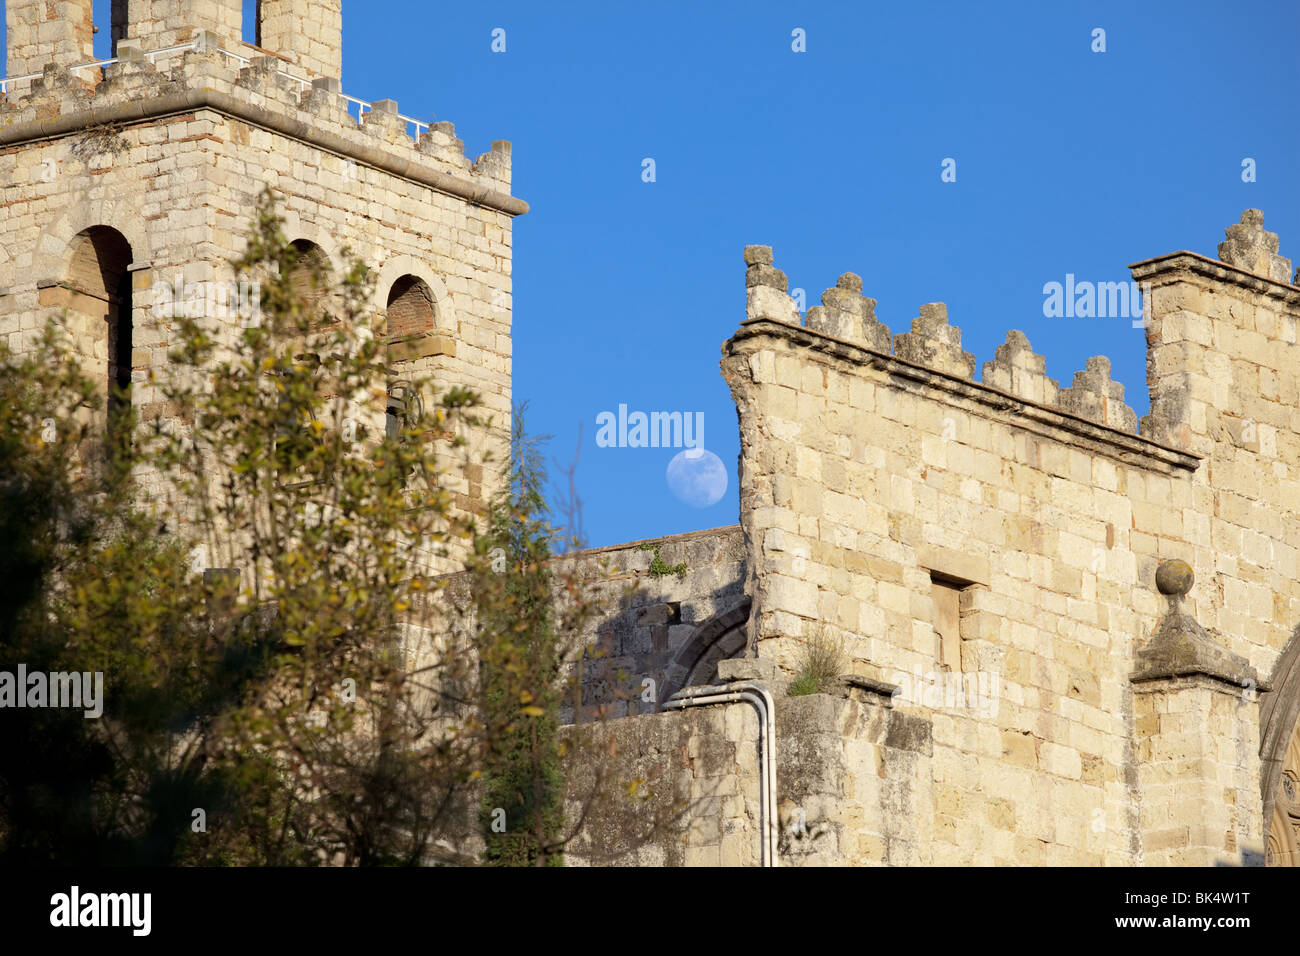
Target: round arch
x=54, y=245
x=98, y=301
x=1279, y=753
x=444, y=310
x=98, y=258
x=296, y=230
x=312, y=258
x=720, y=637
x=410, y=307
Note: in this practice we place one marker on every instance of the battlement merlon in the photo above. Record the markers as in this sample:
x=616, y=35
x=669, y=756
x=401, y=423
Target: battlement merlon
x=306, y=34
x=62, y=102
x=1248, y=258
x=1222, y=352
x=760, y=343
x=847, y=316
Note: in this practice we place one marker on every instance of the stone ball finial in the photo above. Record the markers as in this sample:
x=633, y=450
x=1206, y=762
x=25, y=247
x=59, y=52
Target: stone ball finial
x=1174, y=577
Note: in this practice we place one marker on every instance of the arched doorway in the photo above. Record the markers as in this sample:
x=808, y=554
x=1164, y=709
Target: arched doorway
x=1279, y=724
x=99, y=303
x=410, y=314
x=309, y=281
x=721, y=637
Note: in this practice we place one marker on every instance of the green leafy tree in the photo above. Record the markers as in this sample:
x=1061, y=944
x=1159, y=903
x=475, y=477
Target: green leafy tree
x=335, y=528
x=91, y=586
x=247, y=576
x=520, y=658
x=261, y=577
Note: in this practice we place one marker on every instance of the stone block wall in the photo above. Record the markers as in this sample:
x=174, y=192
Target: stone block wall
x=1223, y=367
x=684, y=786
x=180, y=188
x=156, y=24
x=854, y=780
x=1198, y=772
x=853, y=783
x=40, y=32
x=670, y=629
x=308, y=33
x=876, y=483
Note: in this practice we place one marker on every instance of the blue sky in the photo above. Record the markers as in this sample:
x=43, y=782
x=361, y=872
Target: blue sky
x=1068, y=161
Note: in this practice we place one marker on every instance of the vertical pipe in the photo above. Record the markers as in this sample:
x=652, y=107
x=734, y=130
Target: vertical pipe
x=758, y=696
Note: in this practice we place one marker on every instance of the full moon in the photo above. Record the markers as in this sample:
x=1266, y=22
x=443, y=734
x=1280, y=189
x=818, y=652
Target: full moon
x=696, y=477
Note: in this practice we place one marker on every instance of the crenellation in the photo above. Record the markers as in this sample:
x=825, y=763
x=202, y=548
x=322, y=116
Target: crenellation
x=761, y=275
x=383, y=122
x=131, y=78
x=56, y=79
x=440, y=141
x=1018, y=369
x=271, y=89
x=1069, y=534
x=1094, y=395
x=324, y=100
x=951, y=532
x=765, y=288
x=934, y=343
x=171, y=152
x=847, y=314
x=1249, y=246
x=262, y=85
x=495, y=165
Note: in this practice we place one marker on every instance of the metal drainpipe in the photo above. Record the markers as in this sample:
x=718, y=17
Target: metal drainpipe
x=756, y=694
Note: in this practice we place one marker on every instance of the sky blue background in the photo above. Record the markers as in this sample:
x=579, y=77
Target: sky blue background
x=1067, y=161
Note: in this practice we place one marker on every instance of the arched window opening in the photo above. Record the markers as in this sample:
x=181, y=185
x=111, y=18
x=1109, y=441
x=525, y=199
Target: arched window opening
x=309, y=279
x=1279, y=751
x=411, y=309
x=99, y=305
x=119, y=361
x=409, y=319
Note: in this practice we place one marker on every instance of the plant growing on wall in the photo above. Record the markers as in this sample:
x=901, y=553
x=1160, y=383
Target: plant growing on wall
x=257, y=580
x=250, y=609
x=822, y=659
x=659, y=567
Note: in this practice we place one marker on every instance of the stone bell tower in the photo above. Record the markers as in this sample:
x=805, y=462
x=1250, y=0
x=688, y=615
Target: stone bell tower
x=118, y=175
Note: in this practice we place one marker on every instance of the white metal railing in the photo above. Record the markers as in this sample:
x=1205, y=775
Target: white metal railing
x=362, y=106
x=4, y=83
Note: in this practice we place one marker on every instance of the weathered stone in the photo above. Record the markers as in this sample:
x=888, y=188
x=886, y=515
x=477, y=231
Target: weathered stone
x=934, y=343
x=1250, y=247
x=1017, y=369
x=1024, y=719
x=1174, y=577
x=176, y=187
x=1095, y=396
x=847, y=314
